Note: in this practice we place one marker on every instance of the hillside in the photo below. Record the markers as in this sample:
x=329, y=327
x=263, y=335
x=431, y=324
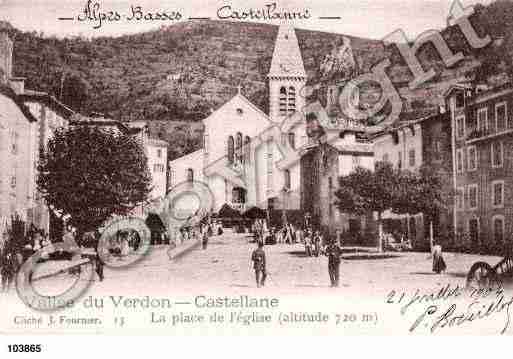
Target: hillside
x=179, y=73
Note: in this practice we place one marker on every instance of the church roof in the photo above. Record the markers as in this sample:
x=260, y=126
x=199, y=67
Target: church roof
x=287, y=60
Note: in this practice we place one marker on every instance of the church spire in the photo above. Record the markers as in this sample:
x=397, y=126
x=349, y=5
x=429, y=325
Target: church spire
x=287, y=60
x=287, y=76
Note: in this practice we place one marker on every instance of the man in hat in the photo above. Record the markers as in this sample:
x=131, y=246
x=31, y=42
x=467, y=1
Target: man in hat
x=334, y=252
x=258, y=258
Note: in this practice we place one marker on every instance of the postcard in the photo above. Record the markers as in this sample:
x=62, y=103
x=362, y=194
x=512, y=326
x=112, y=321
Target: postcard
x=255, y=168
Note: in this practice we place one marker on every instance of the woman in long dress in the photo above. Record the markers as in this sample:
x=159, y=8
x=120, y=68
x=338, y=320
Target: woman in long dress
x=439, y=265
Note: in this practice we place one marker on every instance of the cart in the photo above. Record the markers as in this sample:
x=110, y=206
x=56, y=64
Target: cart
x=483, y=276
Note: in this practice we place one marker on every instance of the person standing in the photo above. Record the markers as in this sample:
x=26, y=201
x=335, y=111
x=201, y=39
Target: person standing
x=9, y=269
x=98, y=262
x=439, y=265
x=259, y=265
x=204, y=236
x=334, y=252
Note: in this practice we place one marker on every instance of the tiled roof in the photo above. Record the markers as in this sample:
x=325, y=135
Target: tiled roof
x=287, y=60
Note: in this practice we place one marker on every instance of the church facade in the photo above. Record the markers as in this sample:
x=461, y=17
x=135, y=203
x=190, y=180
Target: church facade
x=233, y=140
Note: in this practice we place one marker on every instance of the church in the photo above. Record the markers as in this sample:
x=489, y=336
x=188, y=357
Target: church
x=233, y=139
x=229, y=137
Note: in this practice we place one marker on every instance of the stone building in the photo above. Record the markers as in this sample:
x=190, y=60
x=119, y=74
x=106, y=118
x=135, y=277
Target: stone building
x=321, y=166
x=28, y=119
x=233, y=140
x=482, y=142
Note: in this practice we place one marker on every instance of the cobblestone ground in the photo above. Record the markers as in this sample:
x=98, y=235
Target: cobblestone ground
x=225, y=268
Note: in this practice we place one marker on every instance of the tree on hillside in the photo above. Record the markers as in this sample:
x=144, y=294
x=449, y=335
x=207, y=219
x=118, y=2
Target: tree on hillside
x=75, y=91
x=364, y=191
x=90, y=174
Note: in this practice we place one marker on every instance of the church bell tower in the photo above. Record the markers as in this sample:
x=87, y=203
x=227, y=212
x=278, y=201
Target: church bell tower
x=287, y=76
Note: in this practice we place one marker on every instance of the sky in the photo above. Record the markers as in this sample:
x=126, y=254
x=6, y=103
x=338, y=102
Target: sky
x=365, y=18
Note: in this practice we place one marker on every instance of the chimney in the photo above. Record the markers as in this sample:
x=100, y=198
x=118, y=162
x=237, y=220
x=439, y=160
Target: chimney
x=6, y=48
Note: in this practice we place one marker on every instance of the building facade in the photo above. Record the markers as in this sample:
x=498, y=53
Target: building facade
x=402, y=146
x=321, y=166
x=233, y=140
x=27, y=120
x=482, y=168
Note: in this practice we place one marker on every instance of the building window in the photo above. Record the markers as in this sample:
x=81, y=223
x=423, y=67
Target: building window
x=158, y=167
x=238, y=147
x=385, y=157
x=399, y=160
x=292, y=140
x=497, y=154
x=171, y=177
x=190, y=175
x=205, y=143
x=498, y=228
x=13, y=181
x=482, y=119
x=283, y=101
x=159, y=153
x=292, y=100
x=460, y=199
x=460, y=126
x=459, y=160
x=14, y=142
x=472, y=196
x=287, y=101
x=287, y=178
x=356, y=161
x=471, y=158
x=231, y=150
x=411, y=157
x=247, y=149
x=498, y=194
x=460, y=100
x=500, y=116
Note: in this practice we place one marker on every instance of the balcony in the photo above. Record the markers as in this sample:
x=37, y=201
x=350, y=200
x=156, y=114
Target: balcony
x=485, y=134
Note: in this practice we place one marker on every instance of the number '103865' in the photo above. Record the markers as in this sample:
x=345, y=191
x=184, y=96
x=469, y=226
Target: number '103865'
x=24, y=348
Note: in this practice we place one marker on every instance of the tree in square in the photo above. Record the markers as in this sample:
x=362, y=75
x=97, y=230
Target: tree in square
x=92, y=173
x=364, y=191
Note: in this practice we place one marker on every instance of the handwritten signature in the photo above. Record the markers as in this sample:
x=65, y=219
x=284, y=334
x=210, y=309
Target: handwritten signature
x=436, y=315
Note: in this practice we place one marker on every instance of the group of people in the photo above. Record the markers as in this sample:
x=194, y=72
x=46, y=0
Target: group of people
x=313, y=240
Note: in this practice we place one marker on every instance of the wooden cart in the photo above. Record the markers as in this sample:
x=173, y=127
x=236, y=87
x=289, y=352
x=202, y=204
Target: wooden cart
x=483, y=276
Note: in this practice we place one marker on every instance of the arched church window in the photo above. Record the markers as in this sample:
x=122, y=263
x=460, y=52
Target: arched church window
x=283, y=101
x=286, y=174
x=292, y=140
x=190, y=175
x=231, y=152
x=291, y=100
x=238, y=147
x=247, y=149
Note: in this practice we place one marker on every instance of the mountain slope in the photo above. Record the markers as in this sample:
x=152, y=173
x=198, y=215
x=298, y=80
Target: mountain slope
x=179, y=73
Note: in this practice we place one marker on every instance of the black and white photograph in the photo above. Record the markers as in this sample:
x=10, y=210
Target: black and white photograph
x=256, y=168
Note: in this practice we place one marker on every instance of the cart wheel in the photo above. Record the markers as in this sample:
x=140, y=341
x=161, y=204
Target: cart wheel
x=483, y=276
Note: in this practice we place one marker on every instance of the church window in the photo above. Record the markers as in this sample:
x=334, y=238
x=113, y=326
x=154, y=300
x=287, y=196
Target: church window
x=239, y=147
x=190, y=175
x=287, y=178
x=283, y=101
x=247, y=149
x=292, y=140
x=292, y=100
x=230, y=149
